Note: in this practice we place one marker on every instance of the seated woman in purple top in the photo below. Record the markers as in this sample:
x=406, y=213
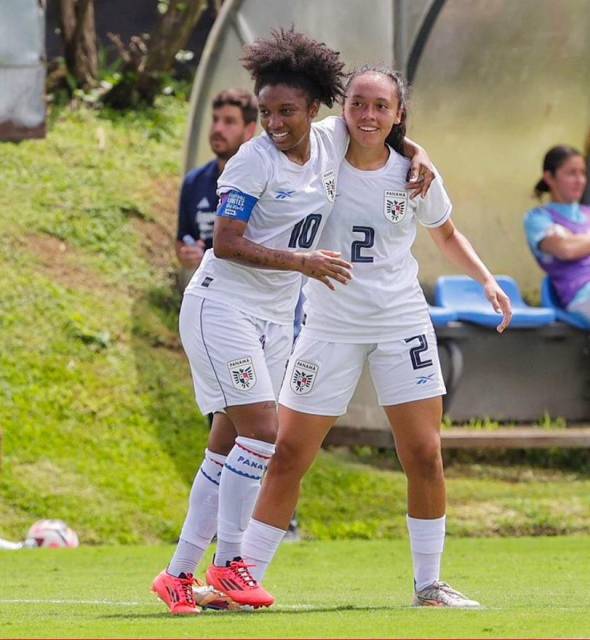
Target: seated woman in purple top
x=558, y=232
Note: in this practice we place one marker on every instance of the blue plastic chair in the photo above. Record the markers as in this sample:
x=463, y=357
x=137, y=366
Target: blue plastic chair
x=549, y=299
x=466, y=297
x=441, y=317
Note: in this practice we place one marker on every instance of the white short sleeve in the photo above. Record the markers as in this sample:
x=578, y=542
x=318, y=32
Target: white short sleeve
x=334, y=128
x=248, y=171
x=435, y=208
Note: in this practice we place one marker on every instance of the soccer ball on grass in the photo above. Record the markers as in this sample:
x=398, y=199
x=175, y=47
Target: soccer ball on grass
x=52, y=534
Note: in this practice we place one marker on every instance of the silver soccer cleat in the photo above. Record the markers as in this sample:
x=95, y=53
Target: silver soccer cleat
x=441, y=594
x=210, y=598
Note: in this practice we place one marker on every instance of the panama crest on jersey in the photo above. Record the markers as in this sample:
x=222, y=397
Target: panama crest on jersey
x=242, y=372
x=304, y=375
x=329, y=180
x=395, y=204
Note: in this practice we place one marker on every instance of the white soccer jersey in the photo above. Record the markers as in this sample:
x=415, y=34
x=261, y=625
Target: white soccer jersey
x=374, y=226
x=293, y=205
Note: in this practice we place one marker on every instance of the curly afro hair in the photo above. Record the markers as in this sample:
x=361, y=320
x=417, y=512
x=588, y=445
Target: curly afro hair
x=294, y=59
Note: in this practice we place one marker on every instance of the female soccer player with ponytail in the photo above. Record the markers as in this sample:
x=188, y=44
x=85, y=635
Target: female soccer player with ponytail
x=380, y=317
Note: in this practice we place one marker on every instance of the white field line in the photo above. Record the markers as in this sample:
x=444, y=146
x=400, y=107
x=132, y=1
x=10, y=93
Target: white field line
x=277, y=608
x=114, y=603
x=106, y=602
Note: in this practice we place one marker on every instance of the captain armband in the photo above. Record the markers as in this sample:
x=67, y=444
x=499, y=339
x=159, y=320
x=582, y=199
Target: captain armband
x=236, y=205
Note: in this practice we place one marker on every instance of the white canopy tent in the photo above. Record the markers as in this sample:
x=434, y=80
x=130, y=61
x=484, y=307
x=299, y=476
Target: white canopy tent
x=495, y=83
x=22, y=69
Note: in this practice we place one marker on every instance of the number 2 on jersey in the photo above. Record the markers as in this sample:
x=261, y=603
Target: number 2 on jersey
x=367, y=242
x=305, y=231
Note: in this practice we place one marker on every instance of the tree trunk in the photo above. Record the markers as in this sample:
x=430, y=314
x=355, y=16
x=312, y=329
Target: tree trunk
x=79, y=37
x=171, y=34
x=147, y=60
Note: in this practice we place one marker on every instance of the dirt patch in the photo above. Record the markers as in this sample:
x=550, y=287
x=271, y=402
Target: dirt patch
x=165, y=193
x=63, y=263
x=158, y=234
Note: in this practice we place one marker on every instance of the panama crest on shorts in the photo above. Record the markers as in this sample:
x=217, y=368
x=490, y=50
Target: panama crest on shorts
x=329, y=180
x=304, y=375
x=395, y=205
x=243, y=375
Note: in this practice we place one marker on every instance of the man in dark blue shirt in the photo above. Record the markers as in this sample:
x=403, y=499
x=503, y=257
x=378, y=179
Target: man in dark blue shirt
x=233, y=122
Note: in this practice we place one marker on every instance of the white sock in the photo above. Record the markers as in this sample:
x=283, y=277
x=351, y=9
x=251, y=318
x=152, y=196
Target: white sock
x=427, y=539
x=259, y=546
x=240, y=482
x=185, y=559
x=201, y=520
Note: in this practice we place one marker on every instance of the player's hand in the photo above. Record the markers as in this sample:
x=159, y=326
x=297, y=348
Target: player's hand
x=421, y=174
x=325, y=266
x=191, y=255
x=500, y=302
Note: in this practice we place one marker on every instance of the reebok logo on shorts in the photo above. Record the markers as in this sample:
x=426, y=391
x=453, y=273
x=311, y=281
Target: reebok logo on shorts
x=304, y=375
x=425, y=379
x=243, y=375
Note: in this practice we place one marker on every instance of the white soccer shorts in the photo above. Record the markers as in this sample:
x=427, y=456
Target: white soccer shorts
x=235, y=358
x=322, y=376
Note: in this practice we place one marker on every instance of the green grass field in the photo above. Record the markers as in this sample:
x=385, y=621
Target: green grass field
x=530, y=587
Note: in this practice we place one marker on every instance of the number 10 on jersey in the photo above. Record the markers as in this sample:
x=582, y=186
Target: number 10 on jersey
x=305, y=231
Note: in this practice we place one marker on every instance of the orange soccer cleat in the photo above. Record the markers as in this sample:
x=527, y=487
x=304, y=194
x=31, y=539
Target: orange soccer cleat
x=236, y=581
x=176, y=593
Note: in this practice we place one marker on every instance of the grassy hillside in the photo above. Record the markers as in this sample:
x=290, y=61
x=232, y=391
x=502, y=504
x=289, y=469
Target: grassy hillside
x=96, y=404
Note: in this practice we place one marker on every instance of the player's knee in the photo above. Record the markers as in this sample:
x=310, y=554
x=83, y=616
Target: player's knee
x=258, y=422
x=424, y=458
x=286, y=463
x=267, y=432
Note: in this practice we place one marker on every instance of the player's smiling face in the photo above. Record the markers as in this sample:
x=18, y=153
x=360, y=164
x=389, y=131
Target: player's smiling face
x=286, y=115
x=371, y=109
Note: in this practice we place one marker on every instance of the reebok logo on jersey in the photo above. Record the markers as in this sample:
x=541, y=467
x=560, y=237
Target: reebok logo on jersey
x=243, y=375
x=329, y=180
x=395, y=204
x=284, y=195
x=304, y=375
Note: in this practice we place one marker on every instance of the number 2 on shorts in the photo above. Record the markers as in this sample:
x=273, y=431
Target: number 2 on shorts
x=415, y=352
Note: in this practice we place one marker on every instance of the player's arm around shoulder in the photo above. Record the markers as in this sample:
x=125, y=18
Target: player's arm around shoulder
x=334, y=129
x=422, y=172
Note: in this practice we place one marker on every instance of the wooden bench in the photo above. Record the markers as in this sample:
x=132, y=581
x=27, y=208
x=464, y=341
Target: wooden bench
x=466, y=438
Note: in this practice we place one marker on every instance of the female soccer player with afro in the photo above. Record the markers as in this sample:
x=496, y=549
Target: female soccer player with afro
x=236, y=320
